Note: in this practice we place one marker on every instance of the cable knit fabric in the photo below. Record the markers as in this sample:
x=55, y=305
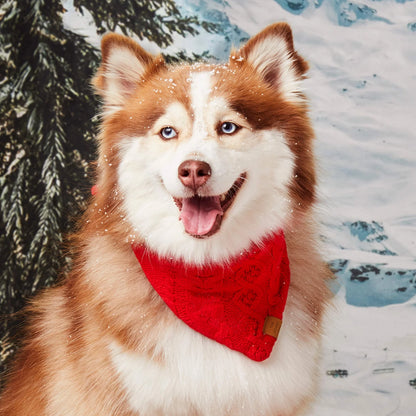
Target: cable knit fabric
x=234, y=304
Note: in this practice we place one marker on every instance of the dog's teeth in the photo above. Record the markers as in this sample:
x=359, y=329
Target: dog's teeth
x=223, y=196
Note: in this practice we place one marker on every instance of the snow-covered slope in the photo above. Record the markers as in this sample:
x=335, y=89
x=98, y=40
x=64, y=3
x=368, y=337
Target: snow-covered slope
x=362, y=89
x=377, y=346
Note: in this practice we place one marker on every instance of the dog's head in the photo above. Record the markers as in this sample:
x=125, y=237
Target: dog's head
x=202, y=160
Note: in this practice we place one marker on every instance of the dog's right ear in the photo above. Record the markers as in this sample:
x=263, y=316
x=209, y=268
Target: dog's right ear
x=271, y=53
x=124, y=64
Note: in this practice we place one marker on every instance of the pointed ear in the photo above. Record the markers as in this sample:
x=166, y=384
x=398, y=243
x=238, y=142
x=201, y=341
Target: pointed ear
x=124, y=64
x=272, y=54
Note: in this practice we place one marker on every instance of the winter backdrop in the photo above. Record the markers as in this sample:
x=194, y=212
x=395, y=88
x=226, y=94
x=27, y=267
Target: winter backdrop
x=362, y=91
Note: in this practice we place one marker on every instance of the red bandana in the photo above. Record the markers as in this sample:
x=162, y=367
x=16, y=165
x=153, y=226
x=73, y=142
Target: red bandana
x=239, y=305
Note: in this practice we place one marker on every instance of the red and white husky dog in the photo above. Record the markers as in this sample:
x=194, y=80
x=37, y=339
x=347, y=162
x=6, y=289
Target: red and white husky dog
x=197, y=165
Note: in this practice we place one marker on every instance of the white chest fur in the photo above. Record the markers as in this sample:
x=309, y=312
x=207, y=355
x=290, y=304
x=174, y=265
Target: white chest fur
x=201, y=377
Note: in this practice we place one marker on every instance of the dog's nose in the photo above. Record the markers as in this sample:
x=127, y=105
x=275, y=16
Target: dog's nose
x=194, y=173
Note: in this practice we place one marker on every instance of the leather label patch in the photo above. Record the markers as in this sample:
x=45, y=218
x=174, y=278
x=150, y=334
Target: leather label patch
x=272, y=326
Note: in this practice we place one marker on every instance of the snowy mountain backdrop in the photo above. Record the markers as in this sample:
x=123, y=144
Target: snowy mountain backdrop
x=362, y=89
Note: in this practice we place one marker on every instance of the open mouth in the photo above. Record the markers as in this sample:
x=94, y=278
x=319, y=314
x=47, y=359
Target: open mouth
x=202, y=215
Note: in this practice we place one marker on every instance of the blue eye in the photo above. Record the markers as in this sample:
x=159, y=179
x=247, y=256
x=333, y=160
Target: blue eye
x=228, y=127
x=168, y=133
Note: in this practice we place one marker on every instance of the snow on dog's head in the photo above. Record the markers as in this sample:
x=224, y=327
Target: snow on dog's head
x=202, y=160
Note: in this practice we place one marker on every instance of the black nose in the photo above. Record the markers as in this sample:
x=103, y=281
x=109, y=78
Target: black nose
x=194, y=173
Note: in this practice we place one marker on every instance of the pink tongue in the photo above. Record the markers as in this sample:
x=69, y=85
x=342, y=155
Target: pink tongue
x=198, y=214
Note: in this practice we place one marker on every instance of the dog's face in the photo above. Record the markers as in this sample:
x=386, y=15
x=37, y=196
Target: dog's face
x=207, y=158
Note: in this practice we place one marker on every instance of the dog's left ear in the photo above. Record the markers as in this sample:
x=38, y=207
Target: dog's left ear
x=124, y=65
x=272, y=54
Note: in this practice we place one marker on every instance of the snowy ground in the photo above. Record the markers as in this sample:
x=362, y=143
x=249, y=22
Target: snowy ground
x=362, y=89
x=377, y=346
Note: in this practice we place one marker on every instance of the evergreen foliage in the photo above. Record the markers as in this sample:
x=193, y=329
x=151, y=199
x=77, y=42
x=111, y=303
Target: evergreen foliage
x=46, y=107
x=47, y=125
x=155, y=20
